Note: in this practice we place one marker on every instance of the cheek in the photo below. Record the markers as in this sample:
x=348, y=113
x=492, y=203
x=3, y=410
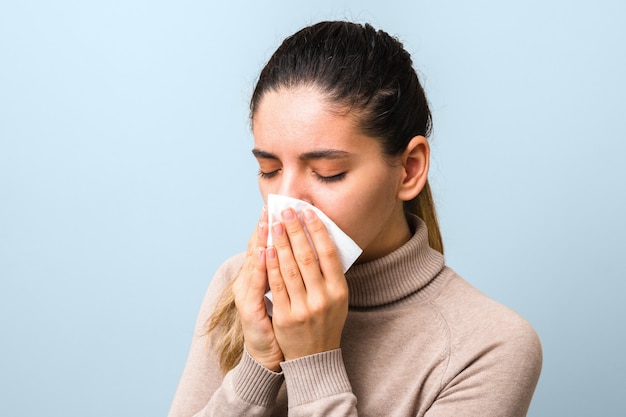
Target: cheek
x=360, y=222
x=352, y=215
x=364, y=215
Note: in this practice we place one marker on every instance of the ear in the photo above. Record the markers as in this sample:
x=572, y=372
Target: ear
x=415, y=163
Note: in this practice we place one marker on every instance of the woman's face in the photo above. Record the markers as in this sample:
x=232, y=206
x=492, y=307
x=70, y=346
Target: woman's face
x=308, y=152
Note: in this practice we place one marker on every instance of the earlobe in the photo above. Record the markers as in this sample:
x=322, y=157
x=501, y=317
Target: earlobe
x=415, y=163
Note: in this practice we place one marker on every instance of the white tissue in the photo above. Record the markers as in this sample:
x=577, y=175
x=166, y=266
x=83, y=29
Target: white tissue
x=348, y=250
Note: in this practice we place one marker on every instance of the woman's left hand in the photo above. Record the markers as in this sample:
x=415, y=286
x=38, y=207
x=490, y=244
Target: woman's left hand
x=310, y=298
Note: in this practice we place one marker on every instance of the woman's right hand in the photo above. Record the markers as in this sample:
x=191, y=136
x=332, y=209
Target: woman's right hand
x=249, y=289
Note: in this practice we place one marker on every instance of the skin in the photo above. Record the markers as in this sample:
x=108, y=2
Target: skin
x=308, y=150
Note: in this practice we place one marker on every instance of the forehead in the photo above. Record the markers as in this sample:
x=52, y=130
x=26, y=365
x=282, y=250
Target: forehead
x=302, y=116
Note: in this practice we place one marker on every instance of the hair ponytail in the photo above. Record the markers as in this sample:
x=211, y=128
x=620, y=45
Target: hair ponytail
x=423, y=206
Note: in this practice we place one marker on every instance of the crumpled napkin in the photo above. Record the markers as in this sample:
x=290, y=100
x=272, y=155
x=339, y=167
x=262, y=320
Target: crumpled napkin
x=348, y=250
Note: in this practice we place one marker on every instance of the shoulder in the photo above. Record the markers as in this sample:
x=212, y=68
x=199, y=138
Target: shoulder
x=484, y=330
x=224, y=273
x=227, y=270
x=493, y=354
x=470, y=308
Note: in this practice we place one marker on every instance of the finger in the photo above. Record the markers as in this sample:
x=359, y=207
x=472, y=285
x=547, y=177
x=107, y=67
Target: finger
x=251, y=281
x=280, y=297
x=327, y=252
x=258, y=282
x=257, y=236
x=262, y=230
x=249, y=288
x=287, y=264
x=303, y=252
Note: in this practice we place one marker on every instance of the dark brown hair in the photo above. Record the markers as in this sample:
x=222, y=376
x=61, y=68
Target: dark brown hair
x=367, y=71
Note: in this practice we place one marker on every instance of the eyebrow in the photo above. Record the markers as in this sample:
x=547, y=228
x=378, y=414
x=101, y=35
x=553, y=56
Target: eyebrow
x=320, y=154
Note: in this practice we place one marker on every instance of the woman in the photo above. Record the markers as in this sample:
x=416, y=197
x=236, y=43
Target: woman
x=340, y=121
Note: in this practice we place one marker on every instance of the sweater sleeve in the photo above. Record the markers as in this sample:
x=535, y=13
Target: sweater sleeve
x=318, y=385
x=249, y=389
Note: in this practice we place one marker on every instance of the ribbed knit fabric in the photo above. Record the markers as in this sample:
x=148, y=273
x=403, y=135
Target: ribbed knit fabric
x=408, y=273
x=255, y=384
x=418, y=341
x=315, y=376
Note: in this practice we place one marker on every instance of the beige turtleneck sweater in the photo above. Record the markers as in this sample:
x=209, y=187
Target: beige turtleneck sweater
x=418, y=341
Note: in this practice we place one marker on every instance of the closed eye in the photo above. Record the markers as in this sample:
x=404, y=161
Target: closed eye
x=268, y=175
x=331, y=178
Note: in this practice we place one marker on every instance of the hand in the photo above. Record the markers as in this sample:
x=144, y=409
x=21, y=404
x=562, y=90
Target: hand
x=310, y=298
x=249, y=289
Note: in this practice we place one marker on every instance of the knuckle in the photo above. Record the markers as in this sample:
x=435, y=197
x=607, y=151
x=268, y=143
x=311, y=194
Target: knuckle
x=295, y=231
x=318, y=306
x=315, y=226
x=328, y=251
x=306, y=258
x=291, y=272
x=277, y=286
x=293, y=226
x=342, y=296
x=299, y=317
x=281, y=321
x=339, y=293
x=281, y=243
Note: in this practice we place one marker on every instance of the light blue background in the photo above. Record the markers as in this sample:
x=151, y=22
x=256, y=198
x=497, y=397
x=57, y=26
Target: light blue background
x=126, y=179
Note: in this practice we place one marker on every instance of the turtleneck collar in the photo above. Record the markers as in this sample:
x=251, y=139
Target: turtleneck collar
x=405, y=272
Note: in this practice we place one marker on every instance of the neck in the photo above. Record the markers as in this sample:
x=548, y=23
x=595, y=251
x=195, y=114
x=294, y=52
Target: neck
x=404, y=274
x=395, y=235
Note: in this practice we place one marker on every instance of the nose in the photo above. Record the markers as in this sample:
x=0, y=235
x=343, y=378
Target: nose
x=294, y=185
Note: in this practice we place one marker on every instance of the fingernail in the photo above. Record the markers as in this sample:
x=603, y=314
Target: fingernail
x=262, y=226
x=260, y=253
x=271, y=253
x=263, y=212
x=288, y=214
x=277, y=228
x=309, y=215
